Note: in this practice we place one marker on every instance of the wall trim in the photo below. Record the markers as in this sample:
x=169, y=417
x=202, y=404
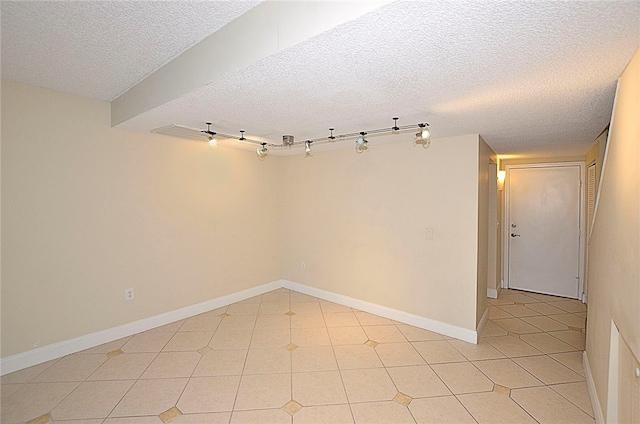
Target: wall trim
x=57, y=350
x=492, y=293
x=440, y=327
x=591, y=386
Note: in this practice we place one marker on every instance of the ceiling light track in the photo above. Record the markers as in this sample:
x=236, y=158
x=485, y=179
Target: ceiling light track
x=422, y=137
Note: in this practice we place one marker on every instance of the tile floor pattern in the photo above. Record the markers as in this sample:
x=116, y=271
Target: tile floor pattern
x=284, y=357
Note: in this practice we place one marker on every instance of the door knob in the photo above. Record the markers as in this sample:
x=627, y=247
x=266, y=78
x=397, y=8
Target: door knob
x=515, y=235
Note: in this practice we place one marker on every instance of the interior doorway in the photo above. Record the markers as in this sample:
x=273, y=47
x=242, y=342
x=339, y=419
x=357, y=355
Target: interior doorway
x=543, y=237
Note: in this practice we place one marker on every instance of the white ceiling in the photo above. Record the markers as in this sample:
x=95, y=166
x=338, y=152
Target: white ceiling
x=533, y=78
x=98, y=49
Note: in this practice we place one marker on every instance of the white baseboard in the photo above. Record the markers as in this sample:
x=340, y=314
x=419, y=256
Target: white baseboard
x=57, y=350
x=440, y=327
x=67, y=347
x=593, y=395
x=492, y=293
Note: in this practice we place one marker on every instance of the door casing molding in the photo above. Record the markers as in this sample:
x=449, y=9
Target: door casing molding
x=582, y=218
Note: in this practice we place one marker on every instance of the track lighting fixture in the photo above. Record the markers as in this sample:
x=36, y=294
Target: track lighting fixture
x=262, y=151
x=362, y=144
x=423, y=137
x=287, y=140
x=395, y=127
x=213, y=142
x=307, y=148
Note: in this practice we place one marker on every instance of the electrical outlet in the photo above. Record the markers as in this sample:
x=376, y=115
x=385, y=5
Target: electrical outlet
x=129, y=294
x=303, y=266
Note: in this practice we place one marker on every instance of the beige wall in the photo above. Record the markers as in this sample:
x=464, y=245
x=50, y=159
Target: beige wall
x=614, y=246
x=485, y=156
x=358, y=222
x=88, y=211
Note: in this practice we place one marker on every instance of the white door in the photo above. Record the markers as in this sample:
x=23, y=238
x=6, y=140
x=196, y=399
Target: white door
x=544, y=229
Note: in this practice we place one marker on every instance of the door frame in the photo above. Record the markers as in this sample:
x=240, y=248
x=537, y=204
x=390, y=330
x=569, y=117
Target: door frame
x=582, y=221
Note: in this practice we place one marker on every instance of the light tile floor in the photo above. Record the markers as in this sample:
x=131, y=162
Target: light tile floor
x=285, y=357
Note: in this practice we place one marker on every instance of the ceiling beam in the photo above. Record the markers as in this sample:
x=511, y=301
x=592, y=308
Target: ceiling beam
x=265, y=30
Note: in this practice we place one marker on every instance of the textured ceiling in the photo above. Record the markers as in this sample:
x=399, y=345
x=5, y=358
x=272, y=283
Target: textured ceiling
x=533, y=78
x=99, y=49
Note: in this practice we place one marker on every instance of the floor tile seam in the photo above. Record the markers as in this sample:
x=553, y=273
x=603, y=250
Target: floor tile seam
x=522, y=356
x=406, y=340
x=524, y=305
x=465, y=406
x=567, y=313
x=161, y=349
x=57, y=404
x=570, y=370
x=454, y=348
x=563, y=341
x=523, y=408
x=517, y=365
x=543, y=330
x=244, y=365
x=123, y=353
x=500, y=319
x=191, y=376
x=134, y=383
x=54, y=361
x=591, y=414
x=432, y=370
x=320, y=404
x=333, y=350
x=447, y=362
x=454, y=394
x=549, y=355
x=380, y=401
x=573, y=349
x=290, y=357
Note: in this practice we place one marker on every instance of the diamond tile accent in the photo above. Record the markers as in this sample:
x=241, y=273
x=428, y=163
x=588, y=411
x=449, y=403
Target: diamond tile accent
x=291, y=347
x=501, y=389
x=402, y=399
x=224, y=315
x=290, y=313
x=170, y=414
x=576, y=329
x=205, y=350
x=42, y=419
x=516, y=335
x=114, y=353
x=291, y=407
x=371, y=343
